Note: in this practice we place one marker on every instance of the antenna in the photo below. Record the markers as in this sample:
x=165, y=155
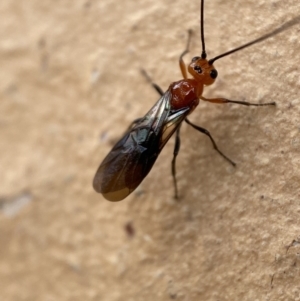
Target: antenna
x=264, y=37
x=203, y=54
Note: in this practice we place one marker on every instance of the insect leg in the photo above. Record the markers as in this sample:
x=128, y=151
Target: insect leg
x=187, y=49
x=153, y=84
x=175, y=153
x=206, y=132
x=245, y=103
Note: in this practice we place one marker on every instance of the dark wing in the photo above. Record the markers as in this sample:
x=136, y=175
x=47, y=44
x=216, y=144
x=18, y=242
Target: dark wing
x=131, y=159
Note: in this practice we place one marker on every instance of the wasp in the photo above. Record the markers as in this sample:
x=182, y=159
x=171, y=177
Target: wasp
x=133, y=156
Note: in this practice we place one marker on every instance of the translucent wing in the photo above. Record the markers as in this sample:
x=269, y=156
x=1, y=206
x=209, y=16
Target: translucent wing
x=133, y=156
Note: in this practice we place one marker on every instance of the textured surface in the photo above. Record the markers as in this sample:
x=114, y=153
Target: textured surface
x=69, y=86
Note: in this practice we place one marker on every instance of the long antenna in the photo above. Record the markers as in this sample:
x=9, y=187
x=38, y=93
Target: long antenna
x=203, y=55
x=264, y=37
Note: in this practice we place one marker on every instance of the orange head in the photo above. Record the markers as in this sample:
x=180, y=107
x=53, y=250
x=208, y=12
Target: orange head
x=202, y=71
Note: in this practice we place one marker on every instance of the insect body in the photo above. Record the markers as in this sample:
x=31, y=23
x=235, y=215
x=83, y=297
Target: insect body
x=133, y=156
x=131, y=159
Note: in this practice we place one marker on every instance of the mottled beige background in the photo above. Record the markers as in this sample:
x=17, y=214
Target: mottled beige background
x=69, y=86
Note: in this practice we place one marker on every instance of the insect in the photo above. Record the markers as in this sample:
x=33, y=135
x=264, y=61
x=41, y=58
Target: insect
x=133, y=156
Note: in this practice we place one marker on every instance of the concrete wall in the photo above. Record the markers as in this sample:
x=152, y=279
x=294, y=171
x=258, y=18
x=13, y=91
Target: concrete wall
x=70, y=84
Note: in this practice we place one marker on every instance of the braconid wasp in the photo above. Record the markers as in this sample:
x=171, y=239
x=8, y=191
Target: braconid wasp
x=133, y=156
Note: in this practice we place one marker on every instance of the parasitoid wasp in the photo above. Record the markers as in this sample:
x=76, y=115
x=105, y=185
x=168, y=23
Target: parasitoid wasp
x=133, y=156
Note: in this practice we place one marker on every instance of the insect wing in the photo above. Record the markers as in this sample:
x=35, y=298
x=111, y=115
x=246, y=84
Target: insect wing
x=133, y=156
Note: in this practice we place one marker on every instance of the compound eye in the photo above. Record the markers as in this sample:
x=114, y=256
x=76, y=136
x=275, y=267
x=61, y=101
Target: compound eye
x=198, y=69
x=213, y=73
x=196, y=58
